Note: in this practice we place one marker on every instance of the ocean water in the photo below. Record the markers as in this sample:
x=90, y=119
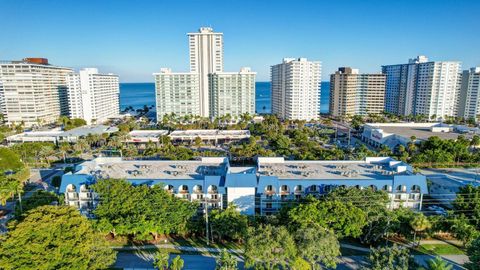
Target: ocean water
x=139, y=94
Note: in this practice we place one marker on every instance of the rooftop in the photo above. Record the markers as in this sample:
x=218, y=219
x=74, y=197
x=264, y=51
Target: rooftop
x=148, y=133
x=421, y=131
x=209, y=132
x=85, y=130
x=371, y=168
x=154, y=169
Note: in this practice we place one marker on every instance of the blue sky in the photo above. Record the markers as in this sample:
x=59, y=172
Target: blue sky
x=136, y=38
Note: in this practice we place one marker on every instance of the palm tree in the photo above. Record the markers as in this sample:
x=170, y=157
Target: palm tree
x=437, y=264
x=226, y=261
x=64, y=148
x=161, y=260
x=177, y=263
x=419, y=223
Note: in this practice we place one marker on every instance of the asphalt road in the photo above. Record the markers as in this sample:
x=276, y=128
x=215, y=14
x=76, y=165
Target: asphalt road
x=144, y=260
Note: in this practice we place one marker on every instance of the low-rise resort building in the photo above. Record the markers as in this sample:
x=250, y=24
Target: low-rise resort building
x=260, y=189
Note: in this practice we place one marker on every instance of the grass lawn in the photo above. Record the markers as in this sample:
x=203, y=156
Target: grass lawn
x=440, y=249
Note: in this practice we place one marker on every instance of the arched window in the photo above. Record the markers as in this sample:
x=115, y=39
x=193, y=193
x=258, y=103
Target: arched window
x=415, y=189
x=197, y=189
x=387, y=188
x=71, y=188
x=183, y=189
x=269, y=189
x=284, y=189
x=169, y=188
x=401, y=188
x=373, y=187
x=84, y=188
x=212, y=189
x=312, y=188
x=298, y=189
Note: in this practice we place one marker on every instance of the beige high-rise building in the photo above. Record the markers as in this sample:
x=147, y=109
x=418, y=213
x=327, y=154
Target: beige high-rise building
x=352, y=93
x=32, y=91
x=206, y=57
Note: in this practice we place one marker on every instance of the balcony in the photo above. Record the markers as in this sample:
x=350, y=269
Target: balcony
x=72, y=196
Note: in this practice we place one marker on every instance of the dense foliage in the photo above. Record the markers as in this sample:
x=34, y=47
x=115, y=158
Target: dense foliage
x=389, y=258
x=13, y=174
x=269, y=247
x=140, y=211
x=54, y=237
x=225, y=261
x=467, y=202
x=228, y=223
x=39, y=198
x=69, y=124
x=436, y=150
x=473, y=252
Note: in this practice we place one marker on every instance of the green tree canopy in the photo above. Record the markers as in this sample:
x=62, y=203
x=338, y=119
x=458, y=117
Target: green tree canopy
x=228, y=223
x=13, y=173
x=373, y=203
x=468, y=203
x=268, y=247
x=343, y=218
x=140, y=211
x=39, y=198
x=389, y=258
x=54, y=237
x=317, y=246
x=473, y=252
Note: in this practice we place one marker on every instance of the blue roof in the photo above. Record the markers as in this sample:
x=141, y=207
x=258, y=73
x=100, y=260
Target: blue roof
x=75, y=179
x=241, y=180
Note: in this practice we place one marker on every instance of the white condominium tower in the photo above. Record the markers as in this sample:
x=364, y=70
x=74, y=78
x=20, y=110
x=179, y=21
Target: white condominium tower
x=206, y=56
x=469, y=103
x=176, y=93
x=32, y=91
x=296, y=89
x=92, y=96
x=352, y=93
x=206, y=90
x=422, y=87
x=232, y=93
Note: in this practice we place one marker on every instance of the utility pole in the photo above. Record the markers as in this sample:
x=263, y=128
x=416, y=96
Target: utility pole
x=206, y=215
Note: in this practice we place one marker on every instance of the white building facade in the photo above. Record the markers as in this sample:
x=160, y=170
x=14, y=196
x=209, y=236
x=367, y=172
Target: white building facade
x=262, y=189
x=232, y=93
x=32, y=91
x=422, y=87
x=295, y=85
x=469, y=103
x=92, y=96
x=176, y=93
x=206, y=57
x=206, y=90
